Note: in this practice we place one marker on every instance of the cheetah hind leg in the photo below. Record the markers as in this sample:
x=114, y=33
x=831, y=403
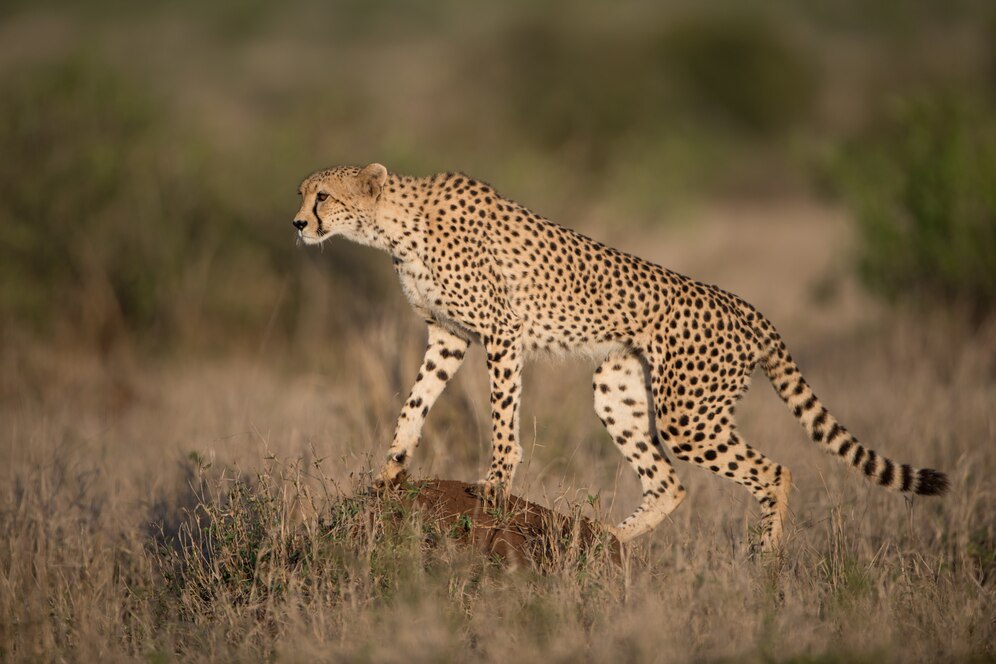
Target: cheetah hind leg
x=622, y=404
x=773, y=518
x=768, y=481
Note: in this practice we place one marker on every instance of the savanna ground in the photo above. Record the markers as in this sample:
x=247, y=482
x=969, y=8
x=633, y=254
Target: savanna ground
x=188, y=403
x=97, y=456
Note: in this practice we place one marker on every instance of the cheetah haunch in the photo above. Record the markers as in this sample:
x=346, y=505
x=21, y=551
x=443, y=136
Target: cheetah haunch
x=678, y=353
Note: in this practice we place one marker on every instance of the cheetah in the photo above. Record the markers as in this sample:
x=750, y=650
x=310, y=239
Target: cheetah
x=678, y=354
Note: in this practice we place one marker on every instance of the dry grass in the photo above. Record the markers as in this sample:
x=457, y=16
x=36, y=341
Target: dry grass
x=166, y=510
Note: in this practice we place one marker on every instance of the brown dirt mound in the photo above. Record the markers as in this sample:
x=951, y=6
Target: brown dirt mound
x=514, y=529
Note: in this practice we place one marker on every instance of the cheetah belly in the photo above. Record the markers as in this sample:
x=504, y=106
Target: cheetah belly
x=540, y=340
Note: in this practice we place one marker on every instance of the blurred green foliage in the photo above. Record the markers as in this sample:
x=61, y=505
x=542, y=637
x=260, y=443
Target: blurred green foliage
x=151, y=152
x=60, y=159
x=606, y=88
x=924, y=190
x=110, y=226
x=96, y=224
x=742, y=70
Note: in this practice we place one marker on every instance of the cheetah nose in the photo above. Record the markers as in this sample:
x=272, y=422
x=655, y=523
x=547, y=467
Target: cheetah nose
x=299, y=224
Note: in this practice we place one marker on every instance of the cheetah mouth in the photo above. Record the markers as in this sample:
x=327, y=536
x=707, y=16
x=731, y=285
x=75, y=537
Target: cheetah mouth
x=311, y=238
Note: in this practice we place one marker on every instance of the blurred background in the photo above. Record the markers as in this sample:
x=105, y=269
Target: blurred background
x=151, y=151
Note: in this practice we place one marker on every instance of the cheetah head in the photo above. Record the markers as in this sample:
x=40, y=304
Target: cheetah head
x=339, y=201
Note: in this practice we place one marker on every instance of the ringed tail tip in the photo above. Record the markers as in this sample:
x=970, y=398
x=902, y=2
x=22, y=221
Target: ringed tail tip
x=931, y=482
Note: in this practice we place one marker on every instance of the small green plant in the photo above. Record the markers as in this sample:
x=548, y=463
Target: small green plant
x=413, y=489
x=462, y=526
x=923, y=192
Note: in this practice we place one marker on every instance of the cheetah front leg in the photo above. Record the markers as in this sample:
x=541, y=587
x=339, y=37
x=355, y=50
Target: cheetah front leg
x=623, y=404
x=505, y=371
x=443, y=356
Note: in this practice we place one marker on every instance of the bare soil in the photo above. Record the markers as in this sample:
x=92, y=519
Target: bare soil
x=513, y=530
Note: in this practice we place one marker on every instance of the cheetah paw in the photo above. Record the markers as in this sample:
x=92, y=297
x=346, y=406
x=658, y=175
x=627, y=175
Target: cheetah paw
x=491, y=491
x=391, y=476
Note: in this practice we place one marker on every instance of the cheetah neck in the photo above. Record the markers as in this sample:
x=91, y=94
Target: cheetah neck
x=396, y=226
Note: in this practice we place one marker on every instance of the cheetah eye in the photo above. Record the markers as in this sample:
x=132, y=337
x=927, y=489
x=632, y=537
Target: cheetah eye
x=322, y=196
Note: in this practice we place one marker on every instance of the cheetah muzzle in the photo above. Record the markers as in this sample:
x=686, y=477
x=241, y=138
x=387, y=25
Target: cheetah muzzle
x=678, y=354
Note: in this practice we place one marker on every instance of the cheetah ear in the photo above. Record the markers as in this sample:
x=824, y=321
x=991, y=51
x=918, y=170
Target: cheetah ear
x=372, y=179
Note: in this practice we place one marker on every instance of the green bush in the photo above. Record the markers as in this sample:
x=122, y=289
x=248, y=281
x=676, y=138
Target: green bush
x=66, y=133
x=100, y=214
x=740, y=70
x=595, y=87
x=924, y=192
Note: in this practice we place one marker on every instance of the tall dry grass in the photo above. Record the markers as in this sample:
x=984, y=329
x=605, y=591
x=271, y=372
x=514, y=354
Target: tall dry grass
x=175, y=511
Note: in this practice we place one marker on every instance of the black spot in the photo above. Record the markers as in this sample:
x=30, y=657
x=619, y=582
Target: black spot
x=907, y=477
x=835, y=431
x=885, y=479
x=870, y=464
x=844, y=447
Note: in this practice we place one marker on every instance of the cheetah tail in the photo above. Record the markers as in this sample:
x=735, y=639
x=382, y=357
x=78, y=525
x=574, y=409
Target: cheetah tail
x=826, y=432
